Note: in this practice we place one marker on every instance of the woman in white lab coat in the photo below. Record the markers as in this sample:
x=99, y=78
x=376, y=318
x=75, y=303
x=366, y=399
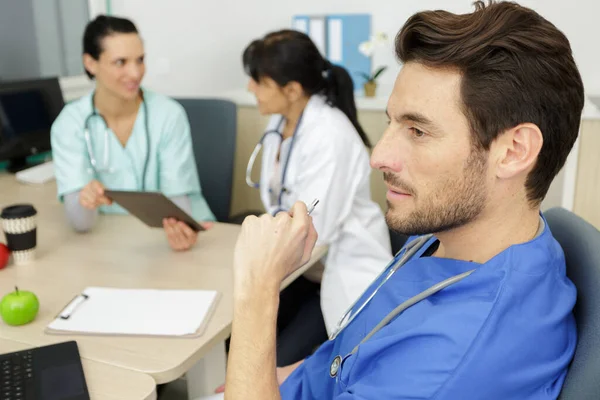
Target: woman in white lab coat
x=314, y=148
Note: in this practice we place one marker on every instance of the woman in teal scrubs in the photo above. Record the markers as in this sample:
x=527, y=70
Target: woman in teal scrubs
x=124, y=137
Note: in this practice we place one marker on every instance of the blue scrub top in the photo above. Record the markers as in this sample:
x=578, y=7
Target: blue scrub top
x=505, y=332
x=171, y=164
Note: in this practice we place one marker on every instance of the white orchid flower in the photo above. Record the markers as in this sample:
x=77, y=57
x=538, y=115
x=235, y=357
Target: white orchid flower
x=366, y=48
x=378, y=40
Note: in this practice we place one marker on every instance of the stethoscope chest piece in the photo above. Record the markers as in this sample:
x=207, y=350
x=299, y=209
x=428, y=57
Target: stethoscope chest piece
x=335, y=366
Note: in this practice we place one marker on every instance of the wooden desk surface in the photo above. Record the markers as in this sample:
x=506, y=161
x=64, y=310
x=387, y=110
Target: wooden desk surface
x=104, y=382
x=120, y=252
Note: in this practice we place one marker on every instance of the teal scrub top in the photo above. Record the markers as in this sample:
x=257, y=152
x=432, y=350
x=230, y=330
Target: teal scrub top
x=171, y=165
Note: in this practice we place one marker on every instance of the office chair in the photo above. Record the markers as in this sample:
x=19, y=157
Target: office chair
x=213, y=124
x=581, y=244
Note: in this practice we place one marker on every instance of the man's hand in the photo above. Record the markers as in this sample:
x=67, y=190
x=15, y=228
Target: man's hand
x=180, y=236
x=92, y=196
x=270, y=248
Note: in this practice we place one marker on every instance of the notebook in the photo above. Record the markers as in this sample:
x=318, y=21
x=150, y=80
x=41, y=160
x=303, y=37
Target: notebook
x=139, y=312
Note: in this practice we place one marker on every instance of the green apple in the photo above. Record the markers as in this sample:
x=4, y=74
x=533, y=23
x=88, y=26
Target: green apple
x=19, y=307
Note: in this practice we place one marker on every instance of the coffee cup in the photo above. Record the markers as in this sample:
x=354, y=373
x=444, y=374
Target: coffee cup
x=19, y=224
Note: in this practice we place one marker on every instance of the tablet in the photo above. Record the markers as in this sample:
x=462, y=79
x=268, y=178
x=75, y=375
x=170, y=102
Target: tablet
x=151, y=208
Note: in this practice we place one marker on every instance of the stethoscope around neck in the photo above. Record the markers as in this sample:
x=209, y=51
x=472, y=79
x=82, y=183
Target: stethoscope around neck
x=96, y=167
x=256, y=151
x=405, y=255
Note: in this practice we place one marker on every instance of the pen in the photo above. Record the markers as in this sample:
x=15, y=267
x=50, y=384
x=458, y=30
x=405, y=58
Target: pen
x=312, y=206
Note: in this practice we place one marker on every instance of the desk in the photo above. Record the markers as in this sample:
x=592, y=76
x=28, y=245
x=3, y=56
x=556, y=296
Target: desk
x=104, y=382
x=122, y=252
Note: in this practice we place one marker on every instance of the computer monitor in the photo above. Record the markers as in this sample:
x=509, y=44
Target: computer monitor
x=27, y=111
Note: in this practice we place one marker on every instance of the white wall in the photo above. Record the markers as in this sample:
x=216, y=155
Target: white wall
x=194, y=46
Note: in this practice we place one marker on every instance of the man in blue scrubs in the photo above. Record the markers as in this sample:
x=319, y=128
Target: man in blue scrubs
x=482, y=117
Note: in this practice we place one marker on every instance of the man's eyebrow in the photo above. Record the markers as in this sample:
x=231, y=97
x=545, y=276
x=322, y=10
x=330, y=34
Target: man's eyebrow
x=418, y=118
x=414, y=117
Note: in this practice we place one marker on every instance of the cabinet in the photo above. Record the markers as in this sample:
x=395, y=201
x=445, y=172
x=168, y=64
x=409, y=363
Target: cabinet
x=587, y=189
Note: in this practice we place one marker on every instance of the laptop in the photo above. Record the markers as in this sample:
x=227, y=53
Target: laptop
x=51, y=372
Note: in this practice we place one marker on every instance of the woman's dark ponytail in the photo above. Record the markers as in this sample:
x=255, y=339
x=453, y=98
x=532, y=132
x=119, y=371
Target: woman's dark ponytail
x=289, y=55
x=339, y=90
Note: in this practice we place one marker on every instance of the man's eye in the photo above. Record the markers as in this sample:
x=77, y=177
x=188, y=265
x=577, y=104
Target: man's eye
x=418, y=132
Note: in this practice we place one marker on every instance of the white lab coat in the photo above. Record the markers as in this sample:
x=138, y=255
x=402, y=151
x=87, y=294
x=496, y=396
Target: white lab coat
x=329, y=162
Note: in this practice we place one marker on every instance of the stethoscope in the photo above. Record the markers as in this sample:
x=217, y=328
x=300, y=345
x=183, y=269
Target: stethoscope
x=105, y=167
x=256, y=151
x=399, y=260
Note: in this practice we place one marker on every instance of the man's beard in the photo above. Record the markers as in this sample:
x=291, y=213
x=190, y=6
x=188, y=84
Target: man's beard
x=451, y=205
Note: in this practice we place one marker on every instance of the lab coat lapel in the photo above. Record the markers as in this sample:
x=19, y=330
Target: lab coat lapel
x=271, y=145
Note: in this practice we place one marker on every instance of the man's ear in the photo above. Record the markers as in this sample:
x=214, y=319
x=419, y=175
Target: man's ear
x=516, y=150
x=293, y=91
x=90, y=64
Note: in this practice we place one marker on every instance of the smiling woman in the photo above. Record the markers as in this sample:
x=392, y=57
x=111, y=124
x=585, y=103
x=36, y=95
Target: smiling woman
x=124, y=137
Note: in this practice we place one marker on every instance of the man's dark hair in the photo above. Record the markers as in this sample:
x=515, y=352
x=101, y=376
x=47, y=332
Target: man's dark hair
x=516, y=67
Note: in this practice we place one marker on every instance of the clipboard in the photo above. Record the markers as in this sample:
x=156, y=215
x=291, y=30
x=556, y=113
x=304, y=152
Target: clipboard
x=151, y=208
x=101, y=311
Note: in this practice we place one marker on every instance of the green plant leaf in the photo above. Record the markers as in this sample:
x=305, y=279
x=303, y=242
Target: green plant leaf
x=366, y=76
x=379, y=72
